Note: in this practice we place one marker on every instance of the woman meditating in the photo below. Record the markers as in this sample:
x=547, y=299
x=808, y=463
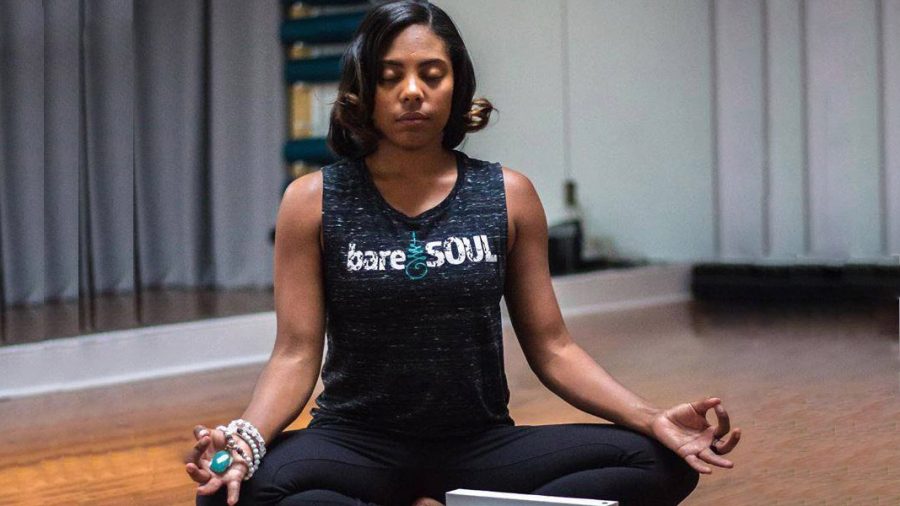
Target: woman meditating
x=402, y=251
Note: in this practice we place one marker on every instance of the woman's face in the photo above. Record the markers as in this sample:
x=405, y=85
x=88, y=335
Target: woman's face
x=415, y=77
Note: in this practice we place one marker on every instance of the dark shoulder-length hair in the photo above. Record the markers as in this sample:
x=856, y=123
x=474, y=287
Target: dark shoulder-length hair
x=352, y=132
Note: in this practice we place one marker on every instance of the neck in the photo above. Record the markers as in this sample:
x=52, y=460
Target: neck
x=392, y=161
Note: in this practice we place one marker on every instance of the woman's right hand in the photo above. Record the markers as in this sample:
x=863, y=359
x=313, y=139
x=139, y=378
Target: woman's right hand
x=197, y=466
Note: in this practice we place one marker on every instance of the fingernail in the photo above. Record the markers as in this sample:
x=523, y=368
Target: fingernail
x=203, y=432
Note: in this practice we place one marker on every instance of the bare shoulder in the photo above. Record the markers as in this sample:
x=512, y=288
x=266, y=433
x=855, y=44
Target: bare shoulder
x=305, y=188
x=520, y=192
x=521, y=195
x=523, y=205
x=300, y=211
x=515, y=181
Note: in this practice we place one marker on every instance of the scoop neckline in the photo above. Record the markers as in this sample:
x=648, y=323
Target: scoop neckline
x=370, y=183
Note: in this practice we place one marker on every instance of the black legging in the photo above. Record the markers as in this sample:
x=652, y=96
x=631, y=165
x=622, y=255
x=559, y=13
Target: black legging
x=345, y=465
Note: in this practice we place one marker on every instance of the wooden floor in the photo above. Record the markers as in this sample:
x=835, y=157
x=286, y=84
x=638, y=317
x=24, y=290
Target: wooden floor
x=816, y=392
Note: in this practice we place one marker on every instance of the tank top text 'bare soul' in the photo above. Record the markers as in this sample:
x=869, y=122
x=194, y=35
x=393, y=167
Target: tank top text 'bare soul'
x=414, y=332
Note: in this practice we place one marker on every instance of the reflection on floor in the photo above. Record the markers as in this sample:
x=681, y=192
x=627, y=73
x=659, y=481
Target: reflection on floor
x=26, y=324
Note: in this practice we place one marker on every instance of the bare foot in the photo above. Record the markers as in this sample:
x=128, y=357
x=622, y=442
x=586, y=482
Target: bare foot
x=427, y=501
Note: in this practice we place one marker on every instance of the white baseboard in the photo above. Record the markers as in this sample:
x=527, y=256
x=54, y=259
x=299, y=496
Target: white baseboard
x=107, y=358
x=620, y=289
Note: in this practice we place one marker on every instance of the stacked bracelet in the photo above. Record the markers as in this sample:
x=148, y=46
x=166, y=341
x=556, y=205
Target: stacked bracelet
x=243, y=434
x=248, y=432
x=232, y=445
x=252, y=462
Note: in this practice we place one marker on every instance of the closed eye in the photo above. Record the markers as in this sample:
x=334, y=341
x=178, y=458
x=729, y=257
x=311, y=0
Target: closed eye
x=430, y=79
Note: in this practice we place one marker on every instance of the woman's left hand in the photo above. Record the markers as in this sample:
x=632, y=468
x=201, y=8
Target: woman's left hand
x=685, y=431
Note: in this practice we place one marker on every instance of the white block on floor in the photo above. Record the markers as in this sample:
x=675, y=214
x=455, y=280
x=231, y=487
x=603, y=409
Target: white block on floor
x=465, y=497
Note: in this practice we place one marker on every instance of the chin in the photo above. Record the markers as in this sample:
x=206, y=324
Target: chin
x=414, y=142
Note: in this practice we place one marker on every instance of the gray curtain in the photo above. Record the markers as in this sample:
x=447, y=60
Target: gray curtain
x=140, y=145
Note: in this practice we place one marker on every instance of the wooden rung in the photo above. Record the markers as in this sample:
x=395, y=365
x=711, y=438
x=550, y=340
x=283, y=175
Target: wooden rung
x=301, y=111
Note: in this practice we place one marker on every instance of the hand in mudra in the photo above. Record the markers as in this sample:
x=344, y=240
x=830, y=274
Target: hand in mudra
x=684, y=430
x=198, y=465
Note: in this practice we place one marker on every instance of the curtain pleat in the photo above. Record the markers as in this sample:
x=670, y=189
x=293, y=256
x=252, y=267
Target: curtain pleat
x=62, y=131
x=140, y=146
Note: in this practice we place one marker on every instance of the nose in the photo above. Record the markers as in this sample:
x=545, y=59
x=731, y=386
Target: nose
x=411, y=90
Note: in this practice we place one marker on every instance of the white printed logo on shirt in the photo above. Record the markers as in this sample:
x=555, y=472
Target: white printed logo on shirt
x=419, y=255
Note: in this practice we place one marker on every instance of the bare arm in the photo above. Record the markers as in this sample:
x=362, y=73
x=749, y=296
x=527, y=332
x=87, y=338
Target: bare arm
x=569, y=372
x=287, y=381
x=560, y=363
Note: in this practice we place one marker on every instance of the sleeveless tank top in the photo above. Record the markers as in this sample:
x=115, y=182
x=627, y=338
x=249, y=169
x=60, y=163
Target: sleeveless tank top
x=413, y=324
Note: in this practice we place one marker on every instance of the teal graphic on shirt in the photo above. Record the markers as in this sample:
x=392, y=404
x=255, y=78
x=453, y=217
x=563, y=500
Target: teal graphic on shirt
x=416, y=267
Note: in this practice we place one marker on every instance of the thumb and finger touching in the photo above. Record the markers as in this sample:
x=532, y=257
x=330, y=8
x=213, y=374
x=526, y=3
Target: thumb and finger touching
x=194, y=463
x=720, y=445
x=197, y=465
x=723, y=446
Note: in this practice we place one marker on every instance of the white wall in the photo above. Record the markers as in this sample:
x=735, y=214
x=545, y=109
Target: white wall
x=515, y=46
x=701, y=129
x=844, y=166
x=786, y=123
x=640, y=110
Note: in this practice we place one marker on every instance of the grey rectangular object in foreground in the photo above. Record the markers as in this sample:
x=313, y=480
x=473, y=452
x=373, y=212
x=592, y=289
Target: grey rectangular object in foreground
x=464, y=497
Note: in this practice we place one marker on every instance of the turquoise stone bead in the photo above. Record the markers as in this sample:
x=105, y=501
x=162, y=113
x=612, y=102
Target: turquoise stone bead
x=220, y=461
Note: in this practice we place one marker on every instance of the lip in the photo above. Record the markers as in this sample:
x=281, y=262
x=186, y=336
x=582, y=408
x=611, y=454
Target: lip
x=412, y=117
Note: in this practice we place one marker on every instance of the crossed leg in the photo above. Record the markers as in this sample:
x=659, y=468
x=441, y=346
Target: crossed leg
x=328, y=465
x=348, y=466
x=583, y=460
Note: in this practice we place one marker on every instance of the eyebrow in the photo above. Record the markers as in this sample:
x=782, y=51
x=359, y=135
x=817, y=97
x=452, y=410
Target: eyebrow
x=423, y=63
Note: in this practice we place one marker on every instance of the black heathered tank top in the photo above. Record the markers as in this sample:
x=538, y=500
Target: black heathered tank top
x=415, y=343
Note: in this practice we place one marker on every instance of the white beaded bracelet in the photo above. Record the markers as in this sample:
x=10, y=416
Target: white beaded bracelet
x=252, y=444
x=252, y=432
x=252, y=462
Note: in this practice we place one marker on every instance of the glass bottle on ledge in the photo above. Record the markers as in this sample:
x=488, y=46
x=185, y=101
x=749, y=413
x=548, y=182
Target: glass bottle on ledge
x=567, y=236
